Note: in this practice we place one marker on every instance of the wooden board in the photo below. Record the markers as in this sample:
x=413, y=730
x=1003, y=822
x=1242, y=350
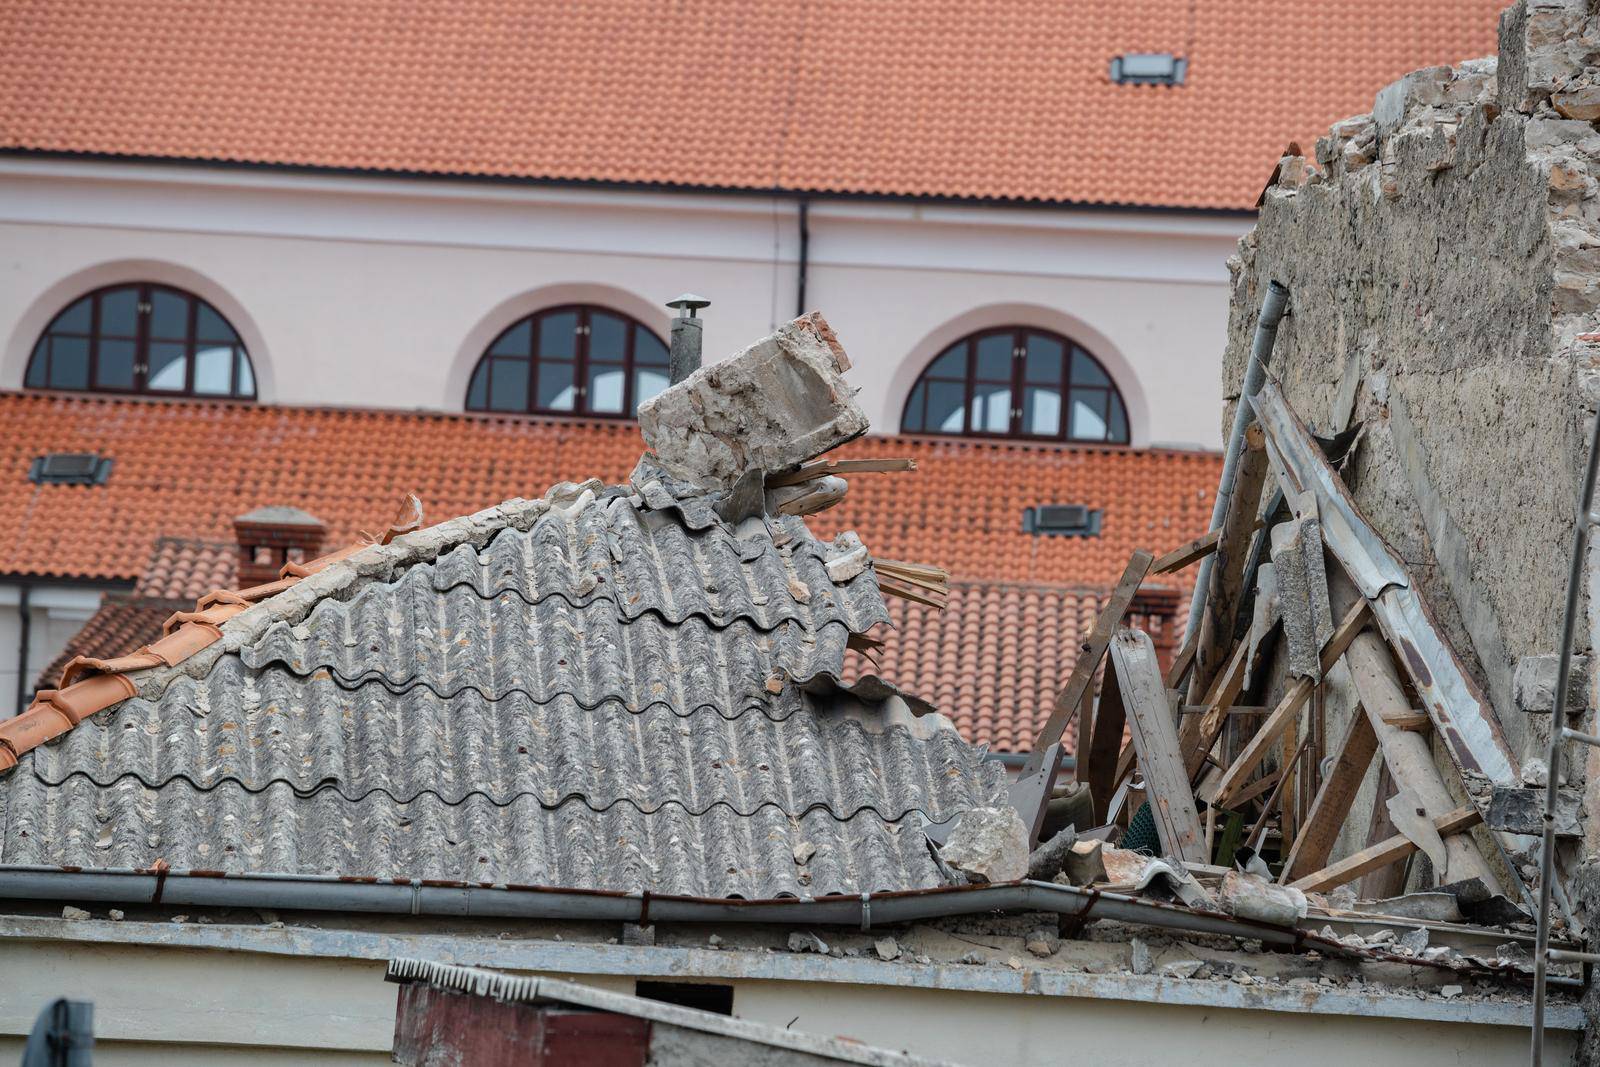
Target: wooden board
x=1183, y=555
x=1390, y=850
x=1155, y=738
x=1109, y=721
x=1326, y=817
x=1198, y=735
x=1089, y=656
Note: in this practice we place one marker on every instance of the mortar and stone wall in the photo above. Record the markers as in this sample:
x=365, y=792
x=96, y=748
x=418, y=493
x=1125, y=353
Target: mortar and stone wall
x=1443, y=258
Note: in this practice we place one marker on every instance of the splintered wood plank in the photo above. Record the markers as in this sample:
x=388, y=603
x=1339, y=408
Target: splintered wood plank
x=1326, y=817
x=1390, y=850
x=823, y=468
x=1226, y=586
x=1355, y=620
x=1110, y=719
x=1083, y=735
x=1089, y=656
x=1155, y=738
x=1183, y=555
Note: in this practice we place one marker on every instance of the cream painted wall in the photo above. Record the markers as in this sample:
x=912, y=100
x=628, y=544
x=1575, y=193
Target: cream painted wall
x=198, y=1006
x=352, y=291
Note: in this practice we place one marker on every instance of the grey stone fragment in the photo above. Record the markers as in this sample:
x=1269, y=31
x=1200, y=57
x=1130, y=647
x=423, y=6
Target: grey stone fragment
x=1533, y=685
x=886, y=948
x=74, y=914
x=1139, y=958
x=973, y=958
x=1182, y=968
x=988, y=845
x=1521, y=811
x=1046, y=861
x=780, y=402
x=1084, y=863
x=1043, y=942
x=116, y=915
x=805, y=941
x=1450, y=991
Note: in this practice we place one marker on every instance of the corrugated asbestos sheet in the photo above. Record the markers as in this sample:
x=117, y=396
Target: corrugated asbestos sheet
x=607, y=700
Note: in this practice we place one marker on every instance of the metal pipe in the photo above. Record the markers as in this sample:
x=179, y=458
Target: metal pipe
x=1255, y=372
x=1579, y=735
x=1558, y=720
x=805, y=258
x=683, y=356
x=461, y=900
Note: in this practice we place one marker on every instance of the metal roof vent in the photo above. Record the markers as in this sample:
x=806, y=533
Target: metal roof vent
x=1062, y=520
x=1148, y=68
x=70, y=468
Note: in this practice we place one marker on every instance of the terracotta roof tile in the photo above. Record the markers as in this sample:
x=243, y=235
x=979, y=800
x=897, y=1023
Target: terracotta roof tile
x=891, y=97
x=186, y=569
x=123, y=623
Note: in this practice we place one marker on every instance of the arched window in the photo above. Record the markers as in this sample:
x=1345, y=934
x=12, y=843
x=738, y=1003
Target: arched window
x=1017, y=382
x=572, y=360
x=142, y=338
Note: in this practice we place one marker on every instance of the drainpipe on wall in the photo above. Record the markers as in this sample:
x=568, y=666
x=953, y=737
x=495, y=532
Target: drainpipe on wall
x=25, y=623
x=805, y=258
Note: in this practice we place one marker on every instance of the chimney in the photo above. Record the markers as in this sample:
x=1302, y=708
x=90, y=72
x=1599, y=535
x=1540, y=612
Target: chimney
x=273, y=536
x=684, y=354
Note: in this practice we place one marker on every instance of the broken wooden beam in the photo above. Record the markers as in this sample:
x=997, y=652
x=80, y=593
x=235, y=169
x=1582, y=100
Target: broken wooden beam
x=831, y=467
x=1332, y=803
x=1222, y=599
x=1390, y=850
x=1155, y=739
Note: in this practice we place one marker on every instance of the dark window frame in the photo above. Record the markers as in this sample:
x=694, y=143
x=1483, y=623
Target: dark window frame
x=581, y=362
x=38, y=376
x=967, y=348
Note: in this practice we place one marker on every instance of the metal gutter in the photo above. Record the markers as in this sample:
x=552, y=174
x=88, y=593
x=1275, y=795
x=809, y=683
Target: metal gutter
x=574, y=957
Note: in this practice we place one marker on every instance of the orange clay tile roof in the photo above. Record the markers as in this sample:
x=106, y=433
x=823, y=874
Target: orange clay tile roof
x=185, y=469
x=936, y=98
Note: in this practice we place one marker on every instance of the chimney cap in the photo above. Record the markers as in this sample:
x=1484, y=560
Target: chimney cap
x=279, y=515
x=687, y=304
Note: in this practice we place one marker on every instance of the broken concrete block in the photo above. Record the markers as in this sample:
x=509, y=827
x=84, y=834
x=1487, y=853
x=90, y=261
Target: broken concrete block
x=807, y=942
x=1521, y=811
x=1182, y=968
x=778, y=403
x=1139, y=958
x=1415, y=941
x=1302, y=594
x=74, y=914
x=1245, y=896
x=886, y=948
x=1050, y=858
x=989, y=845
x=1082, y=865
x=1533, y=684
x=1043, y=942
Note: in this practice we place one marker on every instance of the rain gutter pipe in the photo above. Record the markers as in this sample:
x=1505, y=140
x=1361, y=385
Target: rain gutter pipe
x=462, y=900
x=1255, y=373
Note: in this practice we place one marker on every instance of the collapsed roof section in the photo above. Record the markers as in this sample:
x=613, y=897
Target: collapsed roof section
x=610, y=688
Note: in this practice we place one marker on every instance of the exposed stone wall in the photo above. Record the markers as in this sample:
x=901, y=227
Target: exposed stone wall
x=1443, y=258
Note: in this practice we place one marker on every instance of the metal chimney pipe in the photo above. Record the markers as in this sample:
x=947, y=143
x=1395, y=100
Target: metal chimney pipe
x=684, y=354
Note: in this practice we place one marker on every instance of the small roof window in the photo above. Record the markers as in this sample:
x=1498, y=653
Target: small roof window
x=70, y=468
x=1062, y=520
x=1148, y=68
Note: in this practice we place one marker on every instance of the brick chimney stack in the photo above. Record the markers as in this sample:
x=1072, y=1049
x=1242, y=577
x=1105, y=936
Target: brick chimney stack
x=270, y=537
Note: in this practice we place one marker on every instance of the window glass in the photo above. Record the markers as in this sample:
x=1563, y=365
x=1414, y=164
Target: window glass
x=515, y=341
x=1051, y=390
x=508, y=382
x=648, y=349
x=557, y=391
x=558, y=336
x=76, y=319
x=1041, y=411
x=119, y=313
x=1089, y=416
x=945, y=403
x=1085, y=371
x=608, y=339
x=116, y=362
x=994, y=358
x=991, y=408
x=213, y=371
x=605, y=389
x=169, y=315
x=69, y=363
x=1043, y=362
x=138, y=337
x=583, y=360
x=952, y=364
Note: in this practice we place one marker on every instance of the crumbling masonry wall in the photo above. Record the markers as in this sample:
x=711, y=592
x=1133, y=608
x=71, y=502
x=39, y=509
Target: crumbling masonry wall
x=1443, y=256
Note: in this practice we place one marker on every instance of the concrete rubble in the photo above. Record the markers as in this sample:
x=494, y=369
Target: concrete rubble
x=988, y=845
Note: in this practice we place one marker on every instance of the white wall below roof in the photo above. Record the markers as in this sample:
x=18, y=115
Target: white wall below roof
x=56, y=613
x=369, y=292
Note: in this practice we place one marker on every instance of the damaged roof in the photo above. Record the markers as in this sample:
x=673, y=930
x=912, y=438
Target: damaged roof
x=893, y=99
x=608, y=688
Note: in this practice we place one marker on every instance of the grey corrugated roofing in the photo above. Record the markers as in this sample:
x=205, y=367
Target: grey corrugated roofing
x=609, y=695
